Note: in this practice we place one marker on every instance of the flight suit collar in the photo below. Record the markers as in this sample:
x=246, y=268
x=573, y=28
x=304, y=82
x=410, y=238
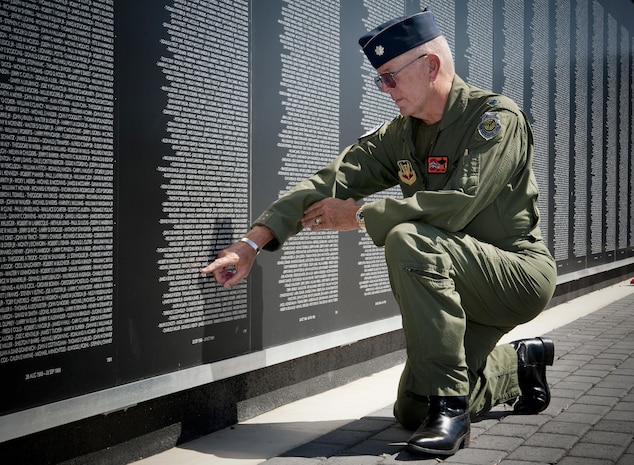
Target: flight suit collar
x=456, y=103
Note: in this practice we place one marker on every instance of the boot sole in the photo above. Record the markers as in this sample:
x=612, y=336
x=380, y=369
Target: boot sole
x=464, y=442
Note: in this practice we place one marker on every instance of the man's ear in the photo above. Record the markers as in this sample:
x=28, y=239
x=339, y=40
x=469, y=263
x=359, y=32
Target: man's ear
x=433, y=66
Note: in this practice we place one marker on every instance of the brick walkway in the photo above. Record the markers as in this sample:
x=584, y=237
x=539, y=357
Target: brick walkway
x=590, y=420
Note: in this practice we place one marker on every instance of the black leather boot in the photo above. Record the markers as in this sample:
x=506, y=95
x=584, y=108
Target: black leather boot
x=446, y=429
x=533, y=355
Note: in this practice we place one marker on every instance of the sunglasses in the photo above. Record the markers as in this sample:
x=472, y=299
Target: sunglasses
x=388, y=78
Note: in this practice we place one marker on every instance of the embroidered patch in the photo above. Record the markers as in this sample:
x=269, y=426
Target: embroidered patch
x=437, y=165
x=490, y=125
x=406, y=172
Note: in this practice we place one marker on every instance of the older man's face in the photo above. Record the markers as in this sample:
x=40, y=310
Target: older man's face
x=408, y=73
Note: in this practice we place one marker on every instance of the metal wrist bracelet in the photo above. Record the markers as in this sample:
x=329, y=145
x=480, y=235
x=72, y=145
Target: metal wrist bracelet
x=255, y=247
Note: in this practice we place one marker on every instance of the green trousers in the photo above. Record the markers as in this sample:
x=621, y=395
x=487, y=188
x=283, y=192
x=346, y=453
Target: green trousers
x=458, y=296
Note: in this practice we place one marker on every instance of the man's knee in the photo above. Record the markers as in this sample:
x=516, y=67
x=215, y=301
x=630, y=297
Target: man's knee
x=411, y=235
x=417, y=245
x=398, y=237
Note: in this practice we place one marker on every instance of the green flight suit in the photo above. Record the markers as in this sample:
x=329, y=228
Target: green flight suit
x=463, y=248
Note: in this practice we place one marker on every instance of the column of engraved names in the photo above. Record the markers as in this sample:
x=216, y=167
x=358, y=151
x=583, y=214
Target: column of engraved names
x=56, y=177
x=445, y=14
x=631, y=201
x=513, y=60
x=309, y=139
x=597, y=121
x=624, y=155
x=580, y=207
x=479, y=53
x=611, y=132
x=207, y=174
x=561, y=197
x=375, y=108
x=539, y=108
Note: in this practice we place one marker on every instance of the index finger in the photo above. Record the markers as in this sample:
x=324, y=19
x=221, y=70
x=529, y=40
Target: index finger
x=217, y=264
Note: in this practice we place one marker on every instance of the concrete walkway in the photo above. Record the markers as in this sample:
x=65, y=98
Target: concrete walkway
x=590, y=420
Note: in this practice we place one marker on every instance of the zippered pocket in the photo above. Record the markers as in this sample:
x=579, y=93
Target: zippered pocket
x=434, y=278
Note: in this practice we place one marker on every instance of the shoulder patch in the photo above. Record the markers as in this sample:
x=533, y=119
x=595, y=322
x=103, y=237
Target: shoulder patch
x=406, y=172
x=490, y=125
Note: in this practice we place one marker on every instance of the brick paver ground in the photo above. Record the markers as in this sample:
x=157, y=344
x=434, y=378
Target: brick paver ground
x=590, y=420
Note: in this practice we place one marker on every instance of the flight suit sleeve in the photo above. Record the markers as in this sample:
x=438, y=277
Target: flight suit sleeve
x=356, y=173
x=482, y=172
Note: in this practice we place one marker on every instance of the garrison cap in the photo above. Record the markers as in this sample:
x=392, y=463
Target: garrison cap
x=399, y=35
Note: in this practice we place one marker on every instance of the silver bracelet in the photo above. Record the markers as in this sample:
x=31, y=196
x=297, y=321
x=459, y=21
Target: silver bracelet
x=255, y=247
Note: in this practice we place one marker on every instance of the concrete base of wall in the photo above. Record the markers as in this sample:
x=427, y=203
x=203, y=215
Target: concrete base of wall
x=159, y=424
x=576, y=288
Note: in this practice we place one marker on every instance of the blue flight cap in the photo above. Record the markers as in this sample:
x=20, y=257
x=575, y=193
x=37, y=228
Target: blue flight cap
x=399, y=35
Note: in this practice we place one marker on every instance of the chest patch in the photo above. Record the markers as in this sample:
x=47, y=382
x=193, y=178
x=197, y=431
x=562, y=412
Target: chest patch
x=490, y=125
x=406, y=172
x=437, y=165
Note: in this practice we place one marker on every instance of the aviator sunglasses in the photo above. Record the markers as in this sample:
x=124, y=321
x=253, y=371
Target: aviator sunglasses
x=388, y=78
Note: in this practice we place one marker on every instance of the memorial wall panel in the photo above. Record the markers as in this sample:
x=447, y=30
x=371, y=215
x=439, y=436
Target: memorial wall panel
x=630, y=241
x=318, y=281
x=539, y=107
x=624, y=150
x=597, y=155
x=580, y=131
x=137, y=139
x=513, y=30
x=611, y=128
x=563, y=83
x=56, y=200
